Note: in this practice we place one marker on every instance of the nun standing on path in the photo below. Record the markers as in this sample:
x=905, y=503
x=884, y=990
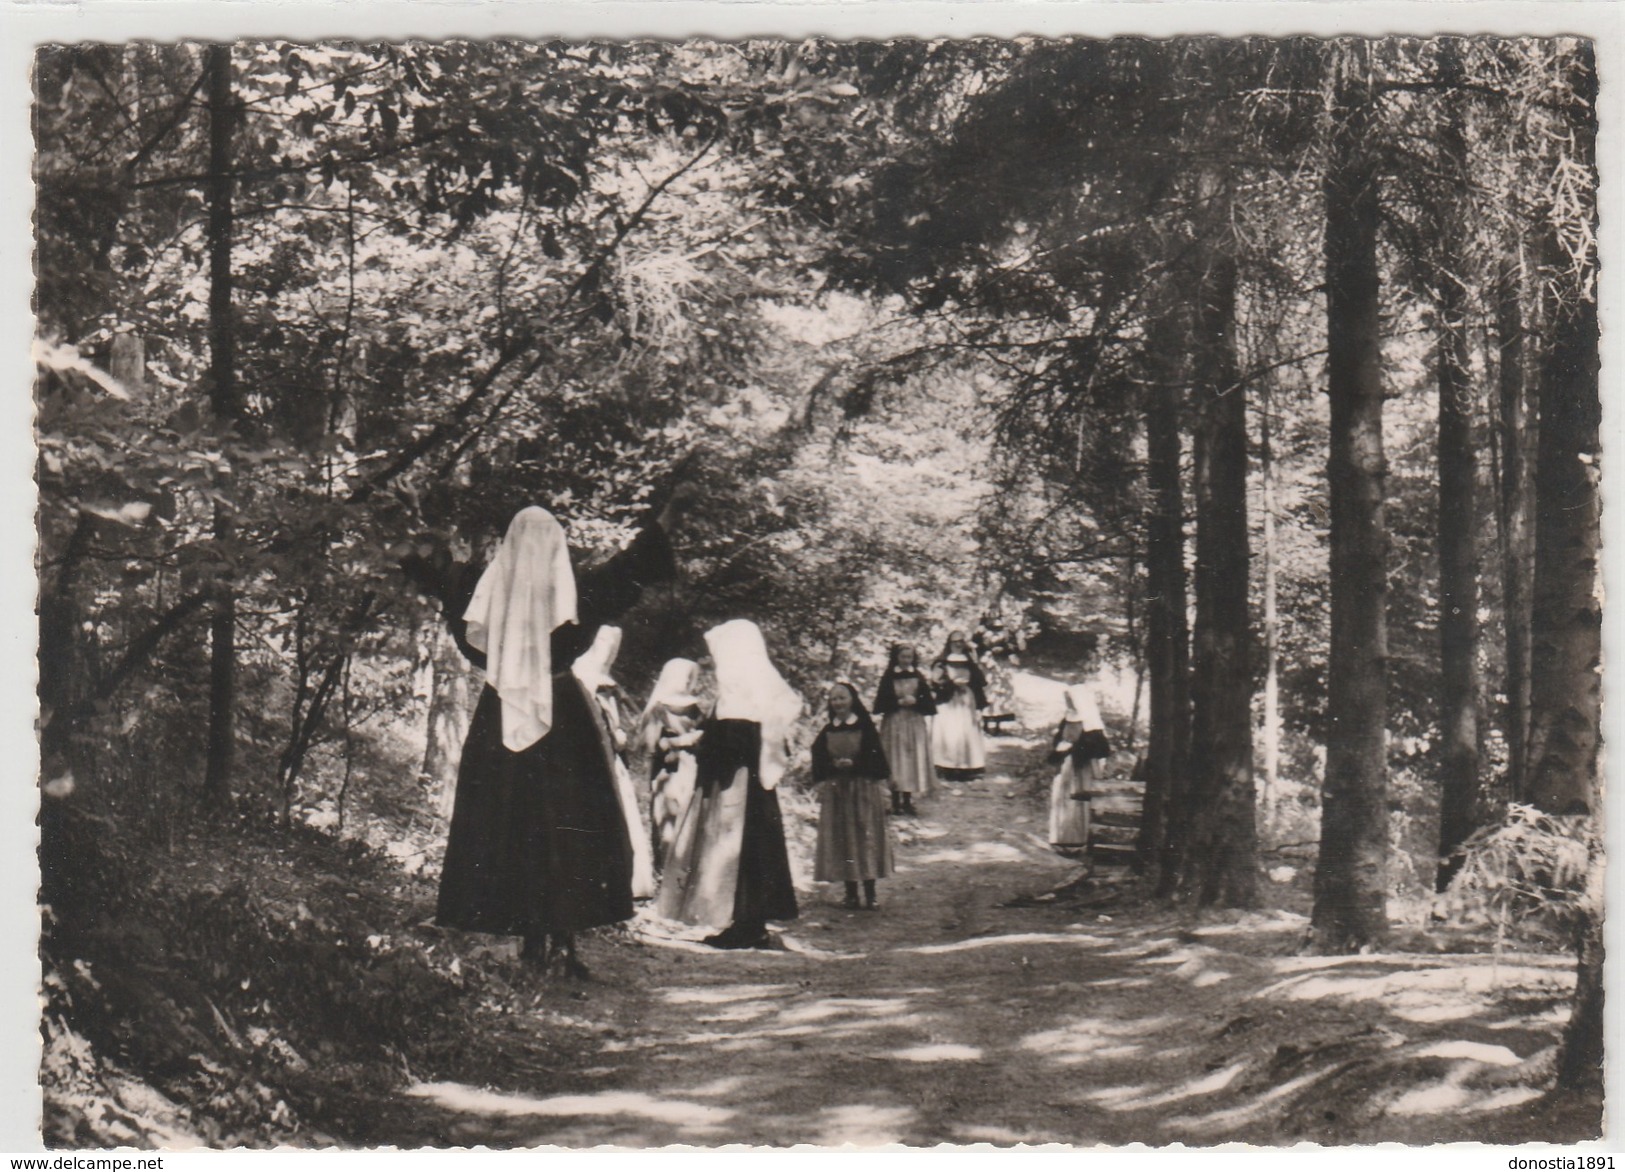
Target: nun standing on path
x=728, y=866
x=1079, y=743
x=538, y=845
x=849, y=765
x=904, y=703
x=956, y=733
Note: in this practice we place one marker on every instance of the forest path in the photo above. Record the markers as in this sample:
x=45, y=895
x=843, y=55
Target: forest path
x=948, y=1017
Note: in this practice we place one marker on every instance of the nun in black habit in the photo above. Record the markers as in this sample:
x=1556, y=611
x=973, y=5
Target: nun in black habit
x=538, y=845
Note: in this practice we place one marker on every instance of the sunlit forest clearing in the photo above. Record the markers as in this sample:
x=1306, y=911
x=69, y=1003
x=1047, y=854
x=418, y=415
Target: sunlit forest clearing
x=1259, y=375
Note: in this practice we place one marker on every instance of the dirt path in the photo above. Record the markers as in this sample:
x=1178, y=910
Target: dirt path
x=947, y=1018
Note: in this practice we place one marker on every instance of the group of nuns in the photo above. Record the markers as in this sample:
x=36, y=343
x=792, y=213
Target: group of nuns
x=930, y=726
x=546, y=838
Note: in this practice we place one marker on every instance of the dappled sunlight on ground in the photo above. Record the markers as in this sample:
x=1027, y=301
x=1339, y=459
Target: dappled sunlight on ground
x=968, y=1015
x=633, y=1104
x=1134, y=951
x=720, y=994
x=749, y=1011
x=1090, y=1039
x=1452, y=1095
x=1506, y=962
x=1256, y=923
x=1475, y=1051
x=1430, y=994
x=976, y=854
x=1004, y=941
x=1250, y=1111
x=821, y=1011
x=862, y=1125
x=942, y=1052
x=1555, y=1017
x=718, y=1087
x=1207, y=1084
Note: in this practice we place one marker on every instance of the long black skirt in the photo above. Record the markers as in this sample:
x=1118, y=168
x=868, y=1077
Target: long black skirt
x=538, y=841
x=765, y=891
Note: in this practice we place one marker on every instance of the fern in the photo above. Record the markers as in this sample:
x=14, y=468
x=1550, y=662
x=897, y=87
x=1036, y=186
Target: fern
x=1528, y=870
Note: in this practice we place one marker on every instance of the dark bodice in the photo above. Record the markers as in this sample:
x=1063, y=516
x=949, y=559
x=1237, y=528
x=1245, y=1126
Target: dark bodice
x=859, y=743
x=727, y=746
x=895, y=684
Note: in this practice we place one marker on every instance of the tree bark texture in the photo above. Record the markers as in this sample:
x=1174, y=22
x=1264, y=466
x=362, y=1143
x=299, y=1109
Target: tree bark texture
x=1566, y=636
x=223, y=399
x=1517, y=426
x=1165, y=819
x=1222, y=868
x=1351, y=873
x=1460, y=807
x=1271, y=795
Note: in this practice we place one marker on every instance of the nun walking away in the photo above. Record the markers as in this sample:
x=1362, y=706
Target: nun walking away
x=592, y=669
x=671, y=729
x=1080, y=742
x=904, y=702
x=728, y=867
x=849, y=766
x=956, y=733
x=538, y=845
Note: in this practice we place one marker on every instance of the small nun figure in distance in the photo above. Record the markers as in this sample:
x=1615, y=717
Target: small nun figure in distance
x=957, y=746
x=905, y=705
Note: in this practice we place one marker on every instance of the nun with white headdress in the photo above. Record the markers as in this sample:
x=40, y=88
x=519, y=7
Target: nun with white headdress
x=593, y=670
x=538, y=845
x=728, y=867
x=671, y=729
x=1080, y=744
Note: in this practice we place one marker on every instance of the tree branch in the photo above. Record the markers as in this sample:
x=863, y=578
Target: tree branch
x=139, y=651
x=176, y=115
x=438, y=434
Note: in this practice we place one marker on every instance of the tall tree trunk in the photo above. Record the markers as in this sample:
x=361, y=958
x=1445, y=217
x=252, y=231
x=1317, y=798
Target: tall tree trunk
x=1517, y=428
x=1222, y=869
x=1566, y=636
x=1272, y=621
x=1567, y=620
x=1165, y=819
x=1351, y=873
x=224, y=400
x=1459, y=805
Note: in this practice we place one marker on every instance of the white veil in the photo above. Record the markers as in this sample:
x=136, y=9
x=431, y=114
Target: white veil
x=1081, y=706
x=526, y=593
x=592, y=667
x=750, y=688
